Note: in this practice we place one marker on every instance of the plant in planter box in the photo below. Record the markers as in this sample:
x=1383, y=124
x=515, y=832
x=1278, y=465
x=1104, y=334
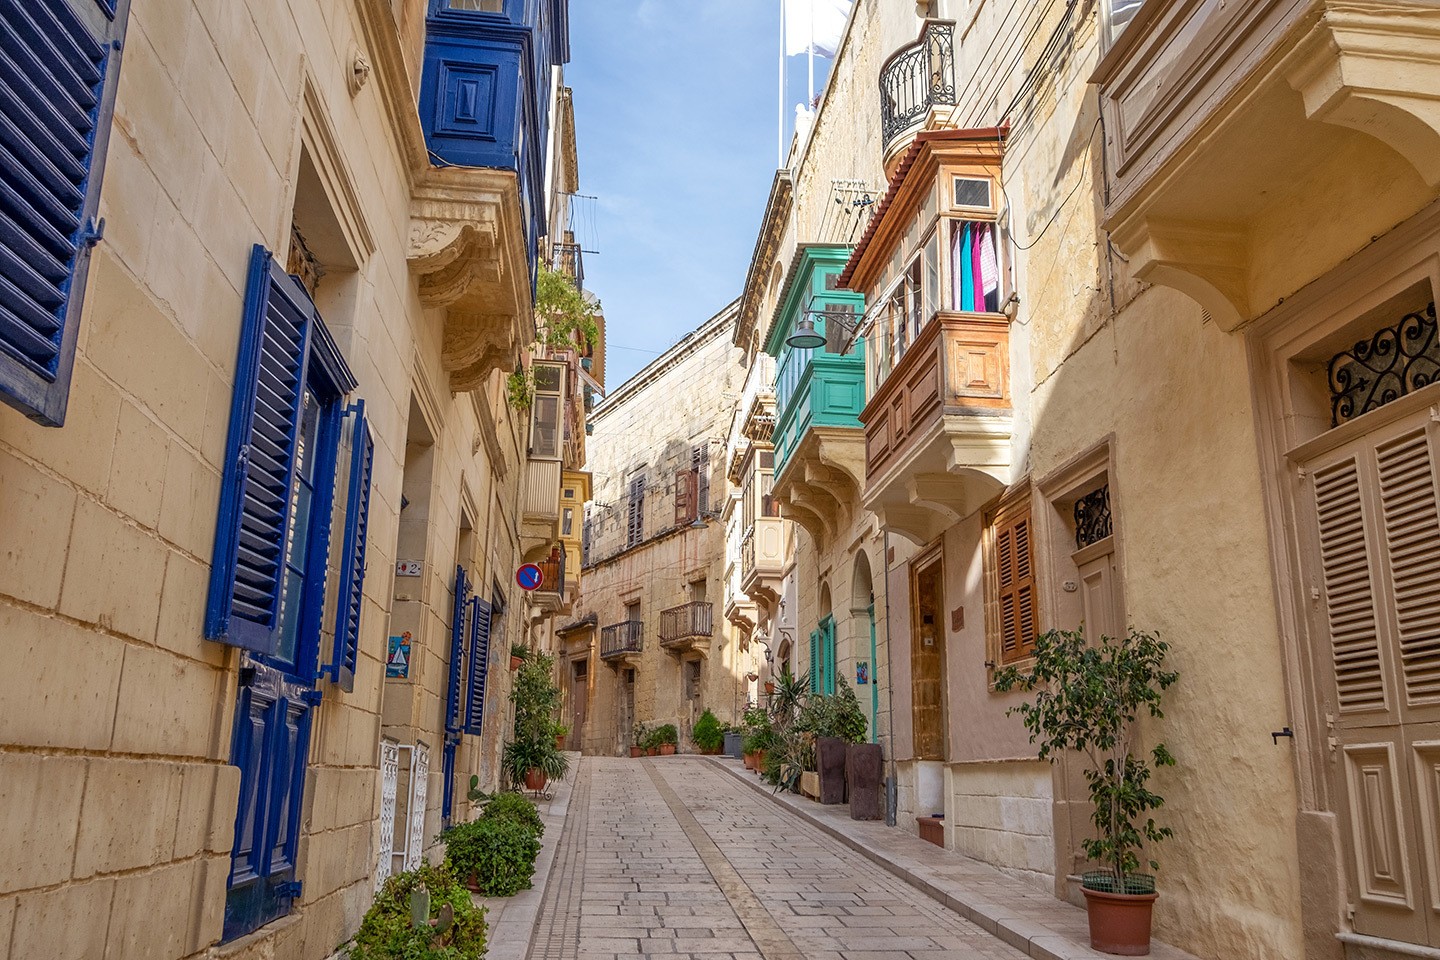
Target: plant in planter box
x=707, y=733
x=639, y=734
x=759, y=734
x=1089, y=698
x=389, y=933
x=561, y=732
x=833, y=721
x=495, y=855
x=512, y=806
x=518, y=653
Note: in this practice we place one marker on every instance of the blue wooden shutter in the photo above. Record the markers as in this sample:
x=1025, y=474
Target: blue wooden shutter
x=454, y=689
x=479, y=665
x=59, y=60
x=352, y=556
x=254, y=519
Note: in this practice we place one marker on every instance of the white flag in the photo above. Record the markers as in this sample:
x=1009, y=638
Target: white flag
x=815, y=24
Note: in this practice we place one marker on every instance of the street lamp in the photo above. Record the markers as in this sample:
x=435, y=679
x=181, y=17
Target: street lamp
x=806, y=337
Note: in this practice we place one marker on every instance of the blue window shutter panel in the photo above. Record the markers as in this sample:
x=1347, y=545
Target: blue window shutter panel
x=454, y=689
x=352, y=556
x=254, y=517
x=59, y=63
x=479, y=665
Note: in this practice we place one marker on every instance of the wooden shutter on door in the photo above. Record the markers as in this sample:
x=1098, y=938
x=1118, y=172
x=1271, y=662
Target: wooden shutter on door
x=1412, y=541
x=635, y=527
x=1345, y=565
x=1014, y=551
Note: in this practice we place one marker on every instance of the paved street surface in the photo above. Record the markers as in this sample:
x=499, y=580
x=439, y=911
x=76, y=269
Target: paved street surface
x=672, y=858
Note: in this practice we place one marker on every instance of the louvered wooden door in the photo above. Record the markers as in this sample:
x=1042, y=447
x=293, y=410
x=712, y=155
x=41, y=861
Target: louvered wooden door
x=927, y=662
x=1375, y=570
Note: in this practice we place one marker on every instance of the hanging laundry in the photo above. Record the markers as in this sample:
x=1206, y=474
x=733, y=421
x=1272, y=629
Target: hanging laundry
x=989, y=268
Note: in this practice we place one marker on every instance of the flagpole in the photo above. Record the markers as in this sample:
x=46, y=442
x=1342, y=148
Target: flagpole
x=810, y=103
x=780, y=98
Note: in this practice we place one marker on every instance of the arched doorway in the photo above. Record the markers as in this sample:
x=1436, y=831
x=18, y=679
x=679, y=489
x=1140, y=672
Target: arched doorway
x=862, y=609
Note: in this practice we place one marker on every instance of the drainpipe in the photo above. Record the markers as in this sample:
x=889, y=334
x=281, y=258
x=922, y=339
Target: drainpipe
x=892, y=792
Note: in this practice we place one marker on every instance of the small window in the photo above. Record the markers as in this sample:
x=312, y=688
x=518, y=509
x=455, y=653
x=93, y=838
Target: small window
x=1120, y=14
x=476, y=6
x=973, y=192
x=546, y=411
x=567, y=523
x=569, y=493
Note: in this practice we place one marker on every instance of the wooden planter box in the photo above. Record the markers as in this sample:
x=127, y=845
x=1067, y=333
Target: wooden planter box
x=864, y=776
x=810, y=784
x=932, y=830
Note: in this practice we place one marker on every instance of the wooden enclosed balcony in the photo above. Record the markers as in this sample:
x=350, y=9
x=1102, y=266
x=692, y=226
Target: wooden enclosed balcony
x=937, y=430
x=688, y=628
x=1236, y=128
x=622, y=643
x=762, y=560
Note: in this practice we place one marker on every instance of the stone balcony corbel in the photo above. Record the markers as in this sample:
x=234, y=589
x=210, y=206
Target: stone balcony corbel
x=1375, y=67
x=1204, y=260
x=467, y=253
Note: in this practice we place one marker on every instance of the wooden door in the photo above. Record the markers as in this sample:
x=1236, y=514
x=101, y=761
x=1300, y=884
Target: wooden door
x=1374, y=564
x=579, y=697
x=625, y=704
x=927, y=658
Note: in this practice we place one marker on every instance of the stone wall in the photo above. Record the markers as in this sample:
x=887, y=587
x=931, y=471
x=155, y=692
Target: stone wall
x=115, y=777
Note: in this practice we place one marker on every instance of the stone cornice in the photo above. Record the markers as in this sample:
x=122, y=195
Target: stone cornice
x=664, y=363
x=772, y=228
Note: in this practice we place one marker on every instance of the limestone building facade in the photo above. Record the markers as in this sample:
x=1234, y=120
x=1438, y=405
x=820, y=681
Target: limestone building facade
x=259, y=471
x=646, y=646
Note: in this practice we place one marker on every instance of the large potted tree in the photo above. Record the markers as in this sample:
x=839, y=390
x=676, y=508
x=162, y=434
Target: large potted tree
x=1089, y=698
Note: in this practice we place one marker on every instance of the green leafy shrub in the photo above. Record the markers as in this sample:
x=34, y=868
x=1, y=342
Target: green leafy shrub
x=512, y=806
x=536, y=698
x=386, y=932
x=759, y=732
x=496, y=854
x=839, y=715
x=707, y=733
x=666, y=733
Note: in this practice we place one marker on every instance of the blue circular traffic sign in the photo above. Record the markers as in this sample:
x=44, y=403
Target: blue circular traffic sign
x=530, y=577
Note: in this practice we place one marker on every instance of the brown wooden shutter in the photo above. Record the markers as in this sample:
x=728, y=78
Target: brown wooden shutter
x=635, y=527
x=1015, y=579
x=684, y=496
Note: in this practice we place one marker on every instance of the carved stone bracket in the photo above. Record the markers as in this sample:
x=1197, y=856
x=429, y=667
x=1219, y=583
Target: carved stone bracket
x=1375, y=67
x=1204, y=260
x=467, y=252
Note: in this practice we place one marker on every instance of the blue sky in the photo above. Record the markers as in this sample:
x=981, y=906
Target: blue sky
x=675, y=115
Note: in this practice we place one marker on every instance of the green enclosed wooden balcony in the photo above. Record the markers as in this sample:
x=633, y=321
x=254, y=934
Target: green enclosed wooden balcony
x=819, y=392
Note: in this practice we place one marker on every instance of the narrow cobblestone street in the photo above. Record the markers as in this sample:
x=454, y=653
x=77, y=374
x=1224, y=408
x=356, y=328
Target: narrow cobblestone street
x=673, y=858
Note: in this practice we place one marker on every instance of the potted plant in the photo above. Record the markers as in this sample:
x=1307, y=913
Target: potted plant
x=638, y=735
x=561, y=732
x=707, y=733
x=758, y=734
x=667, y=738
x=1088, y=698
x=834, y=722
x=518, y=653
x=531, y=757
x=495, y=855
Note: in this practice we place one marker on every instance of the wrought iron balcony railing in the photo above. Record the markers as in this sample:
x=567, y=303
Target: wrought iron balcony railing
x=916, y=78
x=687, y=622
x=621, y=638
x=567, y=258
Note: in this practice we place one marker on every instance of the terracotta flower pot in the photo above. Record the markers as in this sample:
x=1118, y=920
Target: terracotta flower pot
x=637, y=752
x=515, y=662
x=652, y=751
x=770, y=686
x=667, y=749
x=750, y=760
x=1120, y=922
x=559, y=741
x=535, y=780
x=760, y=761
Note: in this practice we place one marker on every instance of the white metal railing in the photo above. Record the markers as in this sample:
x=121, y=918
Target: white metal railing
x=389, y=788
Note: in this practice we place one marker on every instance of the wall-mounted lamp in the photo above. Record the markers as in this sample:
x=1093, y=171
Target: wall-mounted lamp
x=806, y=337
